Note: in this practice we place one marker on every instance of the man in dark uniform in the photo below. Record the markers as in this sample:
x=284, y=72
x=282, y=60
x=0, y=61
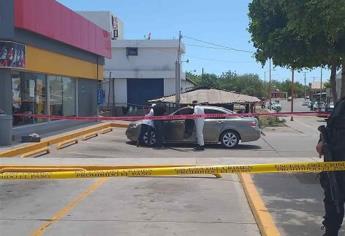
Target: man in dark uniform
x=334, y=208
x=159, y=110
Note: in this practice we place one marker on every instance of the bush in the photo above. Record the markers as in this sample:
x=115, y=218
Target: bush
x=270, y=121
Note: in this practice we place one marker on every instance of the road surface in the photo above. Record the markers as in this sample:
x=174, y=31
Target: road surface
x=171, y=205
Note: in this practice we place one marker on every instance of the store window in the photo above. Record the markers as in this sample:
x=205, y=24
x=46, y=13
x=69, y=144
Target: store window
x=69, y=97
x=62, y=96
x=29, y=96
x=40, y=96
x=55, y=92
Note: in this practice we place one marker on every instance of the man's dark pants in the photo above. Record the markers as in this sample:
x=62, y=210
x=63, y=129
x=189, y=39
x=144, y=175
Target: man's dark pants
x=159, y=131
x=143, y=130
x=333, y=218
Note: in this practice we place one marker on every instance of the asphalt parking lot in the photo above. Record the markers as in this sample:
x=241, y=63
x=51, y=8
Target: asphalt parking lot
x=278, y=142
x=116, y=145
x=198, y=205
x=134, y=206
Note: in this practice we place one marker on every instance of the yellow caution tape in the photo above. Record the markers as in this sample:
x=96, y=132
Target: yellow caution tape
x=310, y=167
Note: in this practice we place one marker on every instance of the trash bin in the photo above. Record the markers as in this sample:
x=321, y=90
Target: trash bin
x=5, y=129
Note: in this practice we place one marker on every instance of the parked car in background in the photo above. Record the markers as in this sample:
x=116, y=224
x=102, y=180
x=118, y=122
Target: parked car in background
x=276, y=106
x=322, y=107
x=329, y=107
x=318, y=106
x=309, y=104
x=226, y=131
x=314, y=106
x=306, y=103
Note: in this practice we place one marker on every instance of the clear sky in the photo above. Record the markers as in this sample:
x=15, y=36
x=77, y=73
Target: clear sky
x=221, y=22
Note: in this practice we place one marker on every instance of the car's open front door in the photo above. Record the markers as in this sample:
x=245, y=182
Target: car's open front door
x=175, y=129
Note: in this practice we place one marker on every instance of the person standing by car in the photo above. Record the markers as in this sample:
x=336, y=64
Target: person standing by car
x=199, y=126
x=146, y=127
x=332, y=147
x=159, y=110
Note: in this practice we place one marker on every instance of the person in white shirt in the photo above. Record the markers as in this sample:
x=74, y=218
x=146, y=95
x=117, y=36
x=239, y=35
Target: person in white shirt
x=146, y=126
x=199, y=126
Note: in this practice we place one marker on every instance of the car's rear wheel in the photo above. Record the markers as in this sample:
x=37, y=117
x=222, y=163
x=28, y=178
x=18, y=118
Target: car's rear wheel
x=230, y=139
x=149, y=138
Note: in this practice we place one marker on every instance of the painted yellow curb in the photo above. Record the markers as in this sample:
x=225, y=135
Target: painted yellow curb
x=105, y=131
x=67, y=143
x=119, y=125
x=17, y=151
x=36, y=153
x=90, y=136
x=261, y=214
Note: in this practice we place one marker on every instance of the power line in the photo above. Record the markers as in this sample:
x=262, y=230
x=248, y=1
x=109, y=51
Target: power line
x=202, y=46
x=217, y=60
x=217, y=45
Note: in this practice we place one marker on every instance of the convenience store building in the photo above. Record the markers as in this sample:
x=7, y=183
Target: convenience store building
x=51, y=60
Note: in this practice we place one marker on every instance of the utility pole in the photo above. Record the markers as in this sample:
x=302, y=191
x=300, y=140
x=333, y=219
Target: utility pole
x=202, y=73
x=113, y=96
x=292, y=91
x=265, y=86
x=321, y=87
x=305, y=85
x=178, y=71
x=270, y=83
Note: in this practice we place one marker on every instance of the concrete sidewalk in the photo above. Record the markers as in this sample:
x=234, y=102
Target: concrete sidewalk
x=45, y=130
x=59, y=135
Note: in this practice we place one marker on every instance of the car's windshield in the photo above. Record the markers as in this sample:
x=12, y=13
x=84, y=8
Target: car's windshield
x=228, y=111
x=218, y=110
x=208, y=110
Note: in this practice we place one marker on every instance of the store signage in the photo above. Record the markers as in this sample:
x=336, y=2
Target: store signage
x=115, y=22
x=12, y=55
x=115, y=25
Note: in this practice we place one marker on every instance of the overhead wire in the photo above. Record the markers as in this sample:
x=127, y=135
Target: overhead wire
x=219, y=46
x=217, y=60
x=202, y=46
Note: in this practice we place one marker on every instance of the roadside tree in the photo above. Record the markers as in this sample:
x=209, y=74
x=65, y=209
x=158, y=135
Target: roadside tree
x=300, y=34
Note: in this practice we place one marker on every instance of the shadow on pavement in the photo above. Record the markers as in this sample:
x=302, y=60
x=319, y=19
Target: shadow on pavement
x=294, y=200
x=177, y=146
